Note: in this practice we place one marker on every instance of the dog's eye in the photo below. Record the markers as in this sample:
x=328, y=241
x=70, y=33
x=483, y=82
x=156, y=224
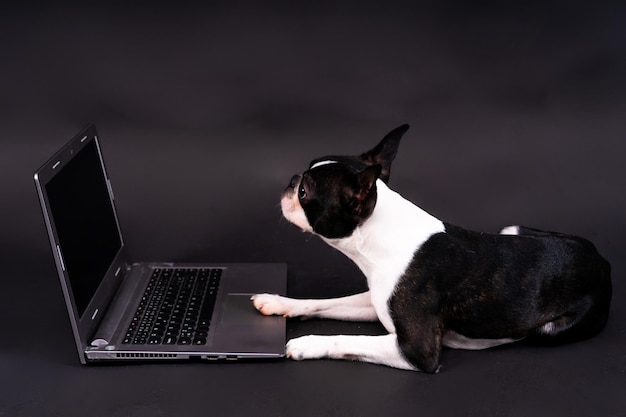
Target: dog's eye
x=301, y=192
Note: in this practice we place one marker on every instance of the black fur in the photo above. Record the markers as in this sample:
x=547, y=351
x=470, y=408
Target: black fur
x=487, y=286
x=349, y=197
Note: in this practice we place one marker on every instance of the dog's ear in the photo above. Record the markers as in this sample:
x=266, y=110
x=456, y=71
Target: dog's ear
x=385, y=152
x=364, y=197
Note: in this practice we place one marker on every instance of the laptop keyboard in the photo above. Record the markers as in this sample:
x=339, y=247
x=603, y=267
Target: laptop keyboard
x=176, y=307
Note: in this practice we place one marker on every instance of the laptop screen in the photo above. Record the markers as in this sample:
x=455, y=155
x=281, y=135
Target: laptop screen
x=84, y=218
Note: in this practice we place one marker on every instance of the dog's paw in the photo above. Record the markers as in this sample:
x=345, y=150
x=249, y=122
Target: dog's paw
x=307, y=347
x=272, y=304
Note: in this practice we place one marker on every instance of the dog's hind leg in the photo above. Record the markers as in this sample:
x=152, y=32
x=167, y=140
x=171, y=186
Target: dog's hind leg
x=382, y=350
x=351, y=308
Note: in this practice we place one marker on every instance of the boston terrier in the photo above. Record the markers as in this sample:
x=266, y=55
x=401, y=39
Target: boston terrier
x=433, y=284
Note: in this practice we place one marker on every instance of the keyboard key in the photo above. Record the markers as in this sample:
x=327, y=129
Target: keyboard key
x=176, y=307
x=169, y=340
x=184, y=341
x=199, y=341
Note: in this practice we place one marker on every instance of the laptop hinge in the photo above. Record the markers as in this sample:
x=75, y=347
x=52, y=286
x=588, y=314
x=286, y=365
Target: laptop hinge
x=115, y=315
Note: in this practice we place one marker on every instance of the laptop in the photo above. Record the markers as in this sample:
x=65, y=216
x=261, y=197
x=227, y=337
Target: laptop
x=122, y=310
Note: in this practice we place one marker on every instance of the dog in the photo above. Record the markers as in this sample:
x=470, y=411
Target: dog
x=432, y=284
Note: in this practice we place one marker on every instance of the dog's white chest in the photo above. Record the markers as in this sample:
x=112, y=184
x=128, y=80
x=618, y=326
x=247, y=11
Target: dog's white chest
x=384, y=246
x=381, y=290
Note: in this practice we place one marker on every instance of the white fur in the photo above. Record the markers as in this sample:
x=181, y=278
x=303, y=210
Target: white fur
x=321, y=163
x=382, y=350
x=548, y=328
x=458, y=341
x=510, y=230
x=352, y=308
x=292, y=210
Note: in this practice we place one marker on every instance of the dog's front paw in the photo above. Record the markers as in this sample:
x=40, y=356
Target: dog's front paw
x=307, y=347
x=272, y=304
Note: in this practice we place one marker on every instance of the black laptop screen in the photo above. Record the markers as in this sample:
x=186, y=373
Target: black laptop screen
x=84, y=218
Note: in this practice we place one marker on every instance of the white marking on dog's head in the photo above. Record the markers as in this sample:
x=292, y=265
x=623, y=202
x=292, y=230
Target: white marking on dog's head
x=322, y=163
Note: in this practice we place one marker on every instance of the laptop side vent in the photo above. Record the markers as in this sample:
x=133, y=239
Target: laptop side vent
x=140, y=355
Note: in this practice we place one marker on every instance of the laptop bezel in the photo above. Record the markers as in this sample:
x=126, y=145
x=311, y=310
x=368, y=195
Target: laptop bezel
x=83, y=326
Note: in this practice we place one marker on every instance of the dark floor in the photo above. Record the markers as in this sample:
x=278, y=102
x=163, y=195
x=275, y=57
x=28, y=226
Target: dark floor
x=517, y=114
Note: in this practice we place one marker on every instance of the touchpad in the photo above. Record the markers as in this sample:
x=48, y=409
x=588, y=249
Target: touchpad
x=238, y=309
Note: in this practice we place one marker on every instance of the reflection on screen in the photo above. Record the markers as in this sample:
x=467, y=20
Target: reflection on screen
x=83, y=216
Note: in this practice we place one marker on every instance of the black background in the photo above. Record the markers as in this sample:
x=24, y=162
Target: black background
x=517, y=116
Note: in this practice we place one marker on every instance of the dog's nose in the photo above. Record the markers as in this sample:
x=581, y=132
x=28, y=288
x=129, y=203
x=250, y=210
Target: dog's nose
x=294, y=181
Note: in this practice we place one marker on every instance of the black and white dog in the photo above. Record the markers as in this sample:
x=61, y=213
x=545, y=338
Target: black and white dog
x=432, y=284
